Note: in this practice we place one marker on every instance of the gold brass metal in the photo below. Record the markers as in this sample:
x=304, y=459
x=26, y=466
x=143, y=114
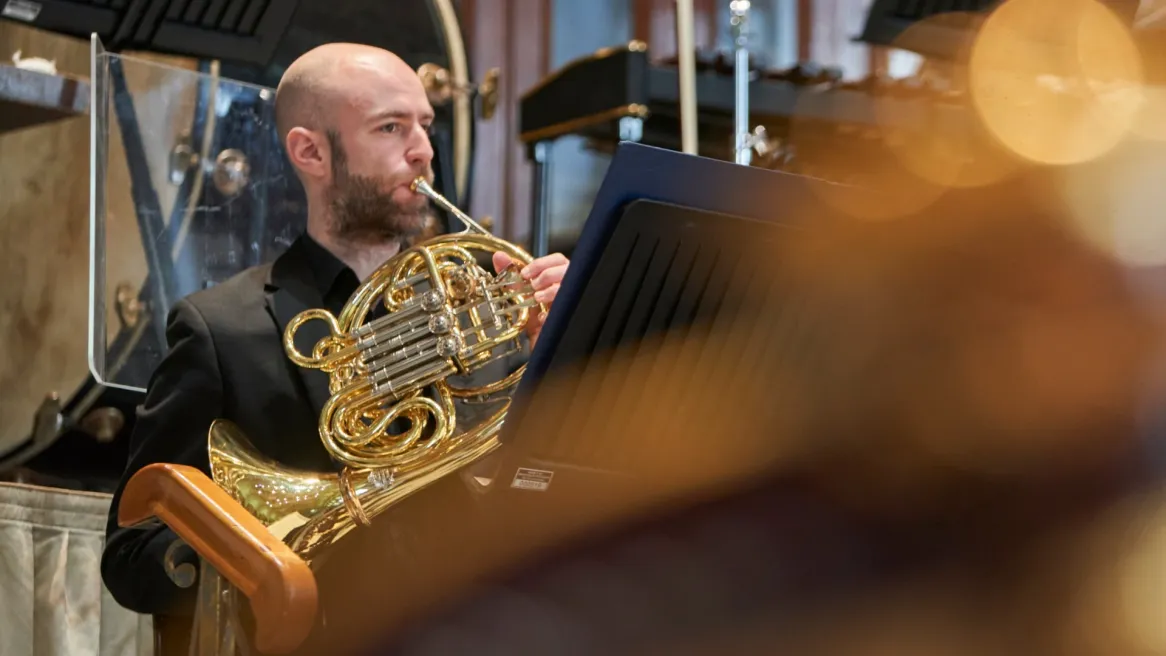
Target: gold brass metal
x=129, y=308
x=413, y=397
x=441, y=88
x=488, y=90
x=232, y=172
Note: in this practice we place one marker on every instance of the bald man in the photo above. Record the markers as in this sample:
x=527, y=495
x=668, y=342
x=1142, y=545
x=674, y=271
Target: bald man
x=354, y=121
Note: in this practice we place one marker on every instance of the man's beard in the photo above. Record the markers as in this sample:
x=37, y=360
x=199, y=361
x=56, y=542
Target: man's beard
x=363, y=212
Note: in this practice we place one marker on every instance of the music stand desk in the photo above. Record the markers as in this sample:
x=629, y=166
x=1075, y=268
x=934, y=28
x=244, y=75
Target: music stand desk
x=670, y=244
x=697, y=184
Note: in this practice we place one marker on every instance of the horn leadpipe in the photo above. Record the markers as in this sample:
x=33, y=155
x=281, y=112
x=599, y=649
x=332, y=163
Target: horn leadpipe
x=421, y=186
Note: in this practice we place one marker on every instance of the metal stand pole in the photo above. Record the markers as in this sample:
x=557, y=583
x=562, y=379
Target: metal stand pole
x=743, y=148
x=686, y=49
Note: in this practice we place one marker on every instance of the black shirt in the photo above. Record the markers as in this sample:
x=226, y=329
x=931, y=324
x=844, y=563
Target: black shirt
x=335, y=280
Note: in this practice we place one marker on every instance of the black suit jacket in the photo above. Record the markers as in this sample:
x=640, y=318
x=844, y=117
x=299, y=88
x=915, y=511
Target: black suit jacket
x=225, y=360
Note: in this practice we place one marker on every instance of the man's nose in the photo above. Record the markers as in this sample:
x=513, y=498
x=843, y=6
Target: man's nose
x=421, y=150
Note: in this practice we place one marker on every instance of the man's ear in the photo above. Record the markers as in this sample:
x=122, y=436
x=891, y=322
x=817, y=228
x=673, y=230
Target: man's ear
x=308, y=152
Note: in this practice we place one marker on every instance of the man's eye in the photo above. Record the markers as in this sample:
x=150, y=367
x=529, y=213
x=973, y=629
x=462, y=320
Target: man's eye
x=390, y=127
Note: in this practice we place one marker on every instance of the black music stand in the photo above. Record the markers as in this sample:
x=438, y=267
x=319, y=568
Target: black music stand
x=245, y=31
x=665, y=247
x=663, y=195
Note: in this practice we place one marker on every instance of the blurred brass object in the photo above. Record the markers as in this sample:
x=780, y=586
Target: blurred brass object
x=183, y=158
x=489, y=93
x=231, y=172
x=129, y=307
x=441, y=88
x=436, y=81
x=103, y=423
x=446, y=317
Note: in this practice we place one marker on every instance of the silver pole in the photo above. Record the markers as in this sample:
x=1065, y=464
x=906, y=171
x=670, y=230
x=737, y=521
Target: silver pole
x=743, y=150
x=686, y=49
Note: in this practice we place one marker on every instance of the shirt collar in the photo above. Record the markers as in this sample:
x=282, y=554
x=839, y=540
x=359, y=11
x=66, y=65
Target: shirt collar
x=327, y=269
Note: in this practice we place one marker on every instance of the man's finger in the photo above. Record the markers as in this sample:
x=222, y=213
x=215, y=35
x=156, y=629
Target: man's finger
x=547, y=295
x=501, y=261
x=542, y=264
x=551, y=276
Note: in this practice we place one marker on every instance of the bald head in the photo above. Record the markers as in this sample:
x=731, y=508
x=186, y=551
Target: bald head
x=355, y=123
x=333, y=73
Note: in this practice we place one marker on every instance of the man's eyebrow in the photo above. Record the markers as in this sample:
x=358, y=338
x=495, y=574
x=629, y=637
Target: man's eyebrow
x=400, y=114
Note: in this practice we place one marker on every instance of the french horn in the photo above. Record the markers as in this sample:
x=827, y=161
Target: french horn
x=406, y=406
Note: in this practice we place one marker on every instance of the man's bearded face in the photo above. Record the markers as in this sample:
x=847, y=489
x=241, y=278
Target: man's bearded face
x=364, y=208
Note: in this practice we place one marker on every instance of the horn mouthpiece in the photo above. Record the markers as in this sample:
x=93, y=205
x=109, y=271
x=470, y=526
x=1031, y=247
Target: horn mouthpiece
x=421, y=186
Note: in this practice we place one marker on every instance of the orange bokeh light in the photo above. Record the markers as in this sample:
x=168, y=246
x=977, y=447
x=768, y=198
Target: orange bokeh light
x=1056, y=81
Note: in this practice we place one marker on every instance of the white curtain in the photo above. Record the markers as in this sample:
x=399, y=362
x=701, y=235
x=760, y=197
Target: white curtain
x=52, y=600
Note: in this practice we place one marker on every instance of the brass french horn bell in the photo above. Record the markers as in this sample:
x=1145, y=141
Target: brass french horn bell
x=408, y=401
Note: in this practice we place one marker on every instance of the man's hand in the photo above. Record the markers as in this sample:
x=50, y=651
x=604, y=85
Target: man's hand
x=545, y=274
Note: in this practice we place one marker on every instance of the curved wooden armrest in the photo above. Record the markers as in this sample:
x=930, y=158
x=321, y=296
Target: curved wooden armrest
x=280, y=585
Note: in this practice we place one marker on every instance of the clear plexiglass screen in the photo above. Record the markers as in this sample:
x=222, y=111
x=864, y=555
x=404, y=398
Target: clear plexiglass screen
x=189, y=186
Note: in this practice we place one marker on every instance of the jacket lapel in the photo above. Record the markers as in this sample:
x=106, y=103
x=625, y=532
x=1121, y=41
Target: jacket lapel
x=289, y=292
